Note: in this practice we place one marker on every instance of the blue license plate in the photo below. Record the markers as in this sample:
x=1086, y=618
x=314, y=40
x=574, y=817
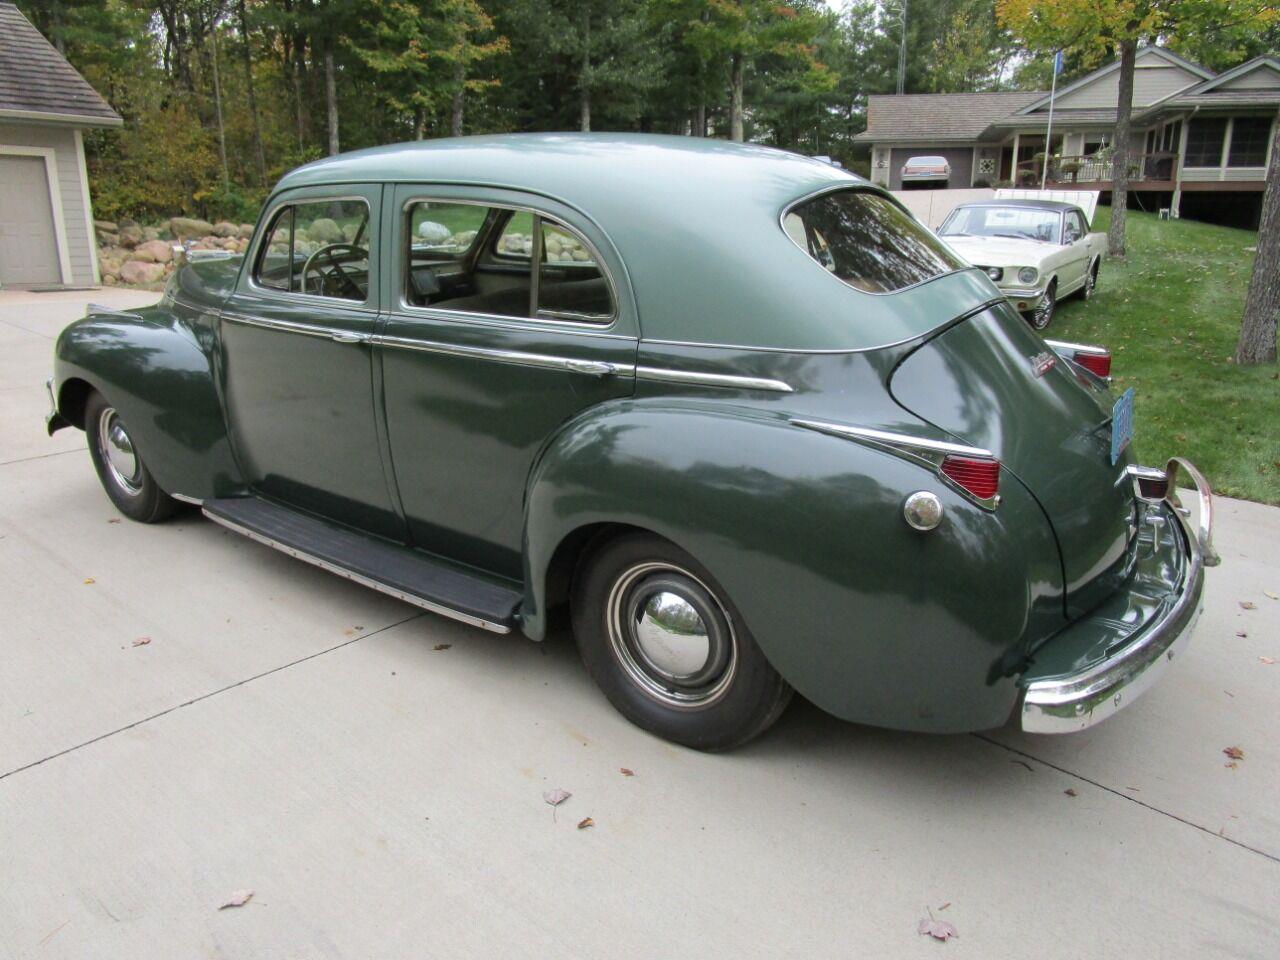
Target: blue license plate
x=1121, y=425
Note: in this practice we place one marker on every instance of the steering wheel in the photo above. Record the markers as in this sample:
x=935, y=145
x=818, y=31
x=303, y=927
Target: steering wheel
x=328, y=252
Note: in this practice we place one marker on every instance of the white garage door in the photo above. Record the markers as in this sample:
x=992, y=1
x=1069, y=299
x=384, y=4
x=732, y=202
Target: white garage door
x=28, y=244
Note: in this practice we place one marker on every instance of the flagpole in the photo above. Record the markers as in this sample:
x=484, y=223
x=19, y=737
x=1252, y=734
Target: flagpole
x=1048, y=133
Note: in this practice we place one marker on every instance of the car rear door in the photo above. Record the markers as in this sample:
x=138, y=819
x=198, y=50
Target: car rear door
x=475, y=380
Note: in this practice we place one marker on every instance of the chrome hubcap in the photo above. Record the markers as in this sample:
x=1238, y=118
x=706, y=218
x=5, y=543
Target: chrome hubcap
x=671, y=635
x=118, y=453
x=1044, y=310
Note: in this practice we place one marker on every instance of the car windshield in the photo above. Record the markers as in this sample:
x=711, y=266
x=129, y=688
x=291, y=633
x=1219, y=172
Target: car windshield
x=868, y=241
x=1021, y=223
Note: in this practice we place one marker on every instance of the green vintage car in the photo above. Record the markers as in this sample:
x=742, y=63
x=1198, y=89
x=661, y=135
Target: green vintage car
x=731, y=412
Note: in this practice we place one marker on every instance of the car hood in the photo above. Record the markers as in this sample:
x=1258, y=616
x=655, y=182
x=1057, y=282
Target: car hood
x=1000, y=251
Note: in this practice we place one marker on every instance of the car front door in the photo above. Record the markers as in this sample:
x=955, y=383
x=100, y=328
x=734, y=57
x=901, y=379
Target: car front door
x=1076, y=253
x=504, y=322
x=297, y=359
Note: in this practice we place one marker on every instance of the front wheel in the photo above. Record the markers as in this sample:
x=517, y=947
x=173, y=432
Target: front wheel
x=124, y=476
x=668, y=648
x=1042, y=315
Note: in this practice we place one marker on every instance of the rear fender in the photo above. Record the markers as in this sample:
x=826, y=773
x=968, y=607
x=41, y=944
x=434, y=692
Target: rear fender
x=156, y=369
x=871, y=620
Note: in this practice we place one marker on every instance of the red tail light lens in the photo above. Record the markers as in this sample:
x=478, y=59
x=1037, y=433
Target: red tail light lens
x=1097, y=363
x=980, y=476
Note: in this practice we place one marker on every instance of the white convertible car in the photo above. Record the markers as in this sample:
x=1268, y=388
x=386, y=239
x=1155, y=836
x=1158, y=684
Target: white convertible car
x=1036, y=251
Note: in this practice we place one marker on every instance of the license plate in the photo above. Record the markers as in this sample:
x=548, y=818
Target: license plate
x=1121, y=425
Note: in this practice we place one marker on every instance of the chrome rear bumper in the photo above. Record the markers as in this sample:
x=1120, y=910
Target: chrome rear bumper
x=1074, y=702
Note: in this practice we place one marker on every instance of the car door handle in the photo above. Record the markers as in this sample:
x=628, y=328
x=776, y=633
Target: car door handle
x=594, y=368
x=346, y=337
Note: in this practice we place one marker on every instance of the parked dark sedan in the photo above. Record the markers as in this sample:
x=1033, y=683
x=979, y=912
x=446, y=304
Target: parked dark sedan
x=734, y=410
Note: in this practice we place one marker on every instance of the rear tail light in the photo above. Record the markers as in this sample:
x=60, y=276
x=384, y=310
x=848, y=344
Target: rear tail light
x=1097, y=362
x=1149, y=483
x=980, y=476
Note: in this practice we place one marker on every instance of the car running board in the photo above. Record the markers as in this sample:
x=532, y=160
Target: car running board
x=424, y=581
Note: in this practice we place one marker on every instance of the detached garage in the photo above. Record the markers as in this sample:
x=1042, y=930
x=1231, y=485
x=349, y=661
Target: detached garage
x=46, y=221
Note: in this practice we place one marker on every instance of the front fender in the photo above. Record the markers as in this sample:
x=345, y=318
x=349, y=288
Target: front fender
x=156, y=369
x=869, y=619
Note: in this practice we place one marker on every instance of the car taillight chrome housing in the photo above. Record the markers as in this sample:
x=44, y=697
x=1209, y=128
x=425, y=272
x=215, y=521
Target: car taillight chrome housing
x=980, y=476
x=1097, y=360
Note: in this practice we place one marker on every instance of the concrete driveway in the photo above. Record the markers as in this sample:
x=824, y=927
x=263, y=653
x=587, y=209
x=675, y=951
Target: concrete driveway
x=375, y=774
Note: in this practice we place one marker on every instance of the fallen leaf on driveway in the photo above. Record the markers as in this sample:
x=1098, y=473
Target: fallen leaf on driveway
x=238, y=899
x=142, y=641
x=1071, y=792
x=1241, y=633
x=1268, y=660
x=114, y=520
x=89, y=580
x=1231, y=765
x=1273, y=596
x=586, y=822
x=625, y=772
x=556, y=797
x=1248, y=605
x=938, y=929
x=1235, y=753
x=443, y=646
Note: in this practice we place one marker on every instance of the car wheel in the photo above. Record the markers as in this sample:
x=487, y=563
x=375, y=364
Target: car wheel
x=668, y=648
x=1042, y=315
x=124, y=476
x=1090, y=282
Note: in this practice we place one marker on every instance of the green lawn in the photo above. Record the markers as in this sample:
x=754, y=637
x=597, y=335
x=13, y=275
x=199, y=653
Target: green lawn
x=1171, y=315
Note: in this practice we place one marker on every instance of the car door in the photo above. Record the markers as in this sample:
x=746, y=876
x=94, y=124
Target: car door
x=297, y=359
x=505, y=321
x=1075, y=252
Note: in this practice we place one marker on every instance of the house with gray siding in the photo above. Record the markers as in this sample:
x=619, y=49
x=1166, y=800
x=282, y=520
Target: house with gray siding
x=46, y=218
x=1200, y=142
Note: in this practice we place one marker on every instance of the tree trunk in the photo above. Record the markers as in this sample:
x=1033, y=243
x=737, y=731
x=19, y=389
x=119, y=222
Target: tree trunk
x=331, y=98
x=1120, y=163
x=1262, y=304
x=459, y=99
x=584, y=76
x=259, y=155
x=299, y=74
x=735, y=98
x=217, y=110
x=420, y=124
x=700, y=119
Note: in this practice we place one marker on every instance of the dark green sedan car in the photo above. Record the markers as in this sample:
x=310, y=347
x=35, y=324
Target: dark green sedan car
x=731, y=412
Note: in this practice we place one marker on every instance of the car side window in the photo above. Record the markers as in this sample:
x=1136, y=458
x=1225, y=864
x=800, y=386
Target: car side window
x=482, y=259
x=317, y=247
x=1074, y=229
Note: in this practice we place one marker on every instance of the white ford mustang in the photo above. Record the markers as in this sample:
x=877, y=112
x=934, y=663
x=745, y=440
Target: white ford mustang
x=1036, y=251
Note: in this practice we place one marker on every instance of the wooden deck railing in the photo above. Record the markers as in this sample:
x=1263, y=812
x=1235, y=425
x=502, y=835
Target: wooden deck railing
x=1085, y=170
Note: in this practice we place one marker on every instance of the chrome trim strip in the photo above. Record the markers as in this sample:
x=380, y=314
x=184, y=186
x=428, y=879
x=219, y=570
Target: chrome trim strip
x=306, y=329
x=357, y=578
x=1072, y=703
x=1018, y=293
x=1087, y=348
x=702, y=378
x=920, y=450
x=182, y=497
x=92, y=309
x=570, y=364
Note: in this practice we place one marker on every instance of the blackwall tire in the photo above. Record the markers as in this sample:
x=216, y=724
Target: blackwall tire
x=124, y=476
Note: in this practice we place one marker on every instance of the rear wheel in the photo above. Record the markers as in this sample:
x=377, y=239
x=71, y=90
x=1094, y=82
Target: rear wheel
x=668, y=648
x=1090, y=281
x=1042, y=315
x=124, y=476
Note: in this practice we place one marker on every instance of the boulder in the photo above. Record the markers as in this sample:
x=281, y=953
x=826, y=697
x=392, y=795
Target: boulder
x=106, y=226
x=130, y=236
x=126, y=222
x=325, y=230
x=188, y=227
x=224, y=228
x=433, y=232
x=245, y=231
x=135, y=271
x=110, y=280
x=153, y=251
x=106, y=238
x=150, y=233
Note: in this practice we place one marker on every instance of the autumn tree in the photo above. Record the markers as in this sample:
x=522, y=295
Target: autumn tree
x=1262, y=303
x=1097, y=29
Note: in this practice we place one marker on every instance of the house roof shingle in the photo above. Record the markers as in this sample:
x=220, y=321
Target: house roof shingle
x=938, y=117
x=36, y=82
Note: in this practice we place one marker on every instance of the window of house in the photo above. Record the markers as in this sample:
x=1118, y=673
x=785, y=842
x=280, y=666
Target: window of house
x=1249, y=137
x=1204, y=142
x=318, y=247
x=868, y=241
x=481, y=260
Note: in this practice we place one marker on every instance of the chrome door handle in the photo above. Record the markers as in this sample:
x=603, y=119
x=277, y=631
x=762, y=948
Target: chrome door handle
x=345, y=338
x=594, y=368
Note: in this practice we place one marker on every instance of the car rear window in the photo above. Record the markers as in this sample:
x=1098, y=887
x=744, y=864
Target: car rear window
x=868, y=241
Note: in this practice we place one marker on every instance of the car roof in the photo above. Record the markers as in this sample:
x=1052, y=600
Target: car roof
x=1056, y=205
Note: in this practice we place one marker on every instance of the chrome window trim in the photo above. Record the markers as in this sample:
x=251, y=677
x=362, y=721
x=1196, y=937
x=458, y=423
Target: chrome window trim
x=921, y=450
x=292, y=326
x=362, y=580
x=865, y=187
x=289, y=295
x=702, y=378
x=518, y=357
x=605, y=322
x=514, y=324
x=1058, y=346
